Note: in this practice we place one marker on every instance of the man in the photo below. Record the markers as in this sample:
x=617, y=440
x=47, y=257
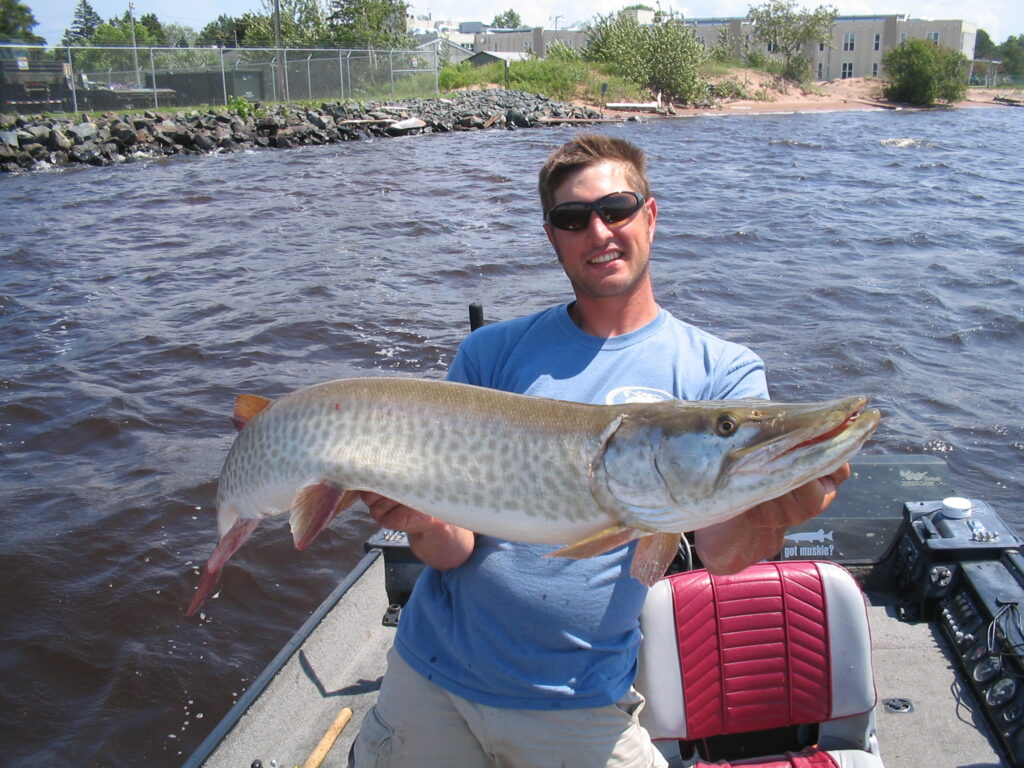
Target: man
x=506, y=658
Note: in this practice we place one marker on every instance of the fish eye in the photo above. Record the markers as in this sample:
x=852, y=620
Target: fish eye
x=726, y=424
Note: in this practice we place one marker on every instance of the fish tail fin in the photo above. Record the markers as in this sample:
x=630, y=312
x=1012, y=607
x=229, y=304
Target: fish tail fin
x=313, y=509
x=653, y=556
x=226, y=547
x=602, y=541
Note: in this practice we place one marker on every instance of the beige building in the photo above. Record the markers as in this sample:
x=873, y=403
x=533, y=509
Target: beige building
x=534, y=41
x=857, y=45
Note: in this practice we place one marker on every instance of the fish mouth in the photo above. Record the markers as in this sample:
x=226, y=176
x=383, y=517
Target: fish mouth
x=829, y=432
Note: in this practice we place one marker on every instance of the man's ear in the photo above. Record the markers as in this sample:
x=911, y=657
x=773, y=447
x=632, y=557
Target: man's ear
x=652, y=214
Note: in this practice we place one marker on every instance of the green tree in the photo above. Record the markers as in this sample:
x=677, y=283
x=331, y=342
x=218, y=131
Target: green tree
x=16, y=22
x=179, y=35
x=922, y=73
x=156, y=29
x=303, y=25
x=507, y=20
x=1011, y=53
x=373, y=24
x=984, y=48
x=83, y=25
x=665, y=57
x=225, y=31
x=786, y=30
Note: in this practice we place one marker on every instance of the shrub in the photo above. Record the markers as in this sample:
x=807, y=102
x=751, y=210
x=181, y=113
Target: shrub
x=921, y=73
x=663, y=57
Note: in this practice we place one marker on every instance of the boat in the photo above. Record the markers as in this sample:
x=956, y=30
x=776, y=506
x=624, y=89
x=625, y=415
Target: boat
x=936, y=613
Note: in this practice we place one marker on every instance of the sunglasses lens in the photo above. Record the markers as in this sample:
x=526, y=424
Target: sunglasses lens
x=571, y=216
x=617, y=207
x=611, y=208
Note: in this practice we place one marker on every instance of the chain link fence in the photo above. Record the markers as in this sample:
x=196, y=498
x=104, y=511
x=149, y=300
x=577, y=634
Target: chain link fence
x=102, y=77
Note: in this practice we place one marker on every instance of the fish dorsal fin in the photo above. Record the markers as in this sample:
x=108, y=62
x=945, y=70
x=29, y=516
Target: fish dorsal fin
x=246, y=409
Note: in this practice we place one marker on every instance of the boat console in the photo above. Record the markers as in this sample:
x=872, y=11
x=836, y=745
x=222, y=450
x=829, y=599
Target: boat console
x=961, y=567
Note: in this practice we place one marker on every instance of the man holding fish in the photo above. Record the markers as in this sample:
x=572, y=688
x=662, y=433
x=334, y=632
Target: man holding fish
x=507, y=658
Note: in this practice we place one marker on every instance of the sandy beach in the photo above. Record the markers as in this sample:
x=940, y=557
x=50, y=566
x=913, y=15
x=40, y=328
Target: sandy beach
x=776, y=96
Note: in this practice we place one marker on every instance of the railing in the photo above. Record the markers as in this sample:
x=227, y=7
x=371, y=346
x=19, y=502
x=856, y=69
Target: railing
x=102, y=77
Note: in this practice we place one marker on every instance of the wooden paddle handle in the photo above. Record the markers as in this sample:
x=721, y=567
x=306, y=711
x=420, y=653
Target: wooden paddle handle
x=317, y=756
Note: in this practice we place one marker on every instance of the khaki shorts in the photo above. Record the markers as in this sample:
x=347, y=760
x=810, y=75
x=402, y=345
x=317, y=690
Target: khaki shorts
x=417, y=724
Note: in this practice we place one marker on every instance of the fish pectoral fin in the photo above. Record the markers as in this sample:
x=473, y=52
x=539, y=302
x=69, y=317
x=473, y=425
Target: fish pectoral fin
x=653, y=556
x=602, y=541
x=246, y=409
x=313, y=509
x=229, y=544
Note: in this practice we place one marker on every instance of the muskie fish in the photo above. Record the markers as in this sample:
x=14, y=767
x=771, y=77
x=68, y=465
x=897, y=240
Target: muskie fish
x=522, y=468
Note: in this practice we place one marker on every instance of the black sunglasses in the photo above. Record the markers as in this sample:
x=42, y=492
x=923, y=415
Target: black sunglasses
x=612, y=209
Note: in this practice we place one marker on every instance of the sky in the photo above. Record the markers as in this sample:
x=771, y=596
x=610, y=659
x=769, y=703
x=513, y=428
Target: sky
x=1000, y=18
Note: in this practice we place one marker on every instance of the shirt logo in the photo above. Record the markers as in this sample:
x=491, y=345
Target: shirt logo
x=622, y=395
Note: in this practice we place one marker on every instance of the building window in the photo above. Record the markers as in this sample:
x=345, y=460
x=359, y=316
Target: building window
x=773, y=47
x=933, y=37
x=821, y=71
x=702, y=41
x=903, y=37
x=878, y=42
x=527, y=45
x=874, y=69
x=848, y=41
x=821, y=46
x=847, y=69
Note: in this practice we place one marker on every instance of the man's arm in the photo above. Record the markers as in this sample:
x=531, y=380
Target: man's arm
x=758, y=533
x=435, y=542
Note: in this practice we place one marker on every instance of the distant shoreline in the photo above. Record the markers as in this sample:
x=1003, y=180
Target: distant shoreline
x=42, y=142
x=850, y=94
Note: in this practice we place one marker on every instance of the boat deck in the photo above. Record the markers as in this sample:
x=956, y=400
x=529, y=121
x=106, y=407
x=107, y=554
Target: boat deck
x=341, y=662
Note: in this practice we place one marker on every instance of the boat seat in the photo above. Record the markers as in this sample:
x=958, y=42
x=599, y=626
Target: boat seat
x=770, y=666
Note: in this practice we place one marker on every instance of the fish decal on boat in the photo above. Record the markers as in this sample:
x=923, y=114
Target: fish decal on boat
x=529, y=469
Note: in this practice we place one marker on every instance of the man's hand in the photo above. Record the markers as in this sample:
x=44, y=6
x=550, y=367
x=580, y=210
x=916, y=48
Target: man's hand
x=758, y=533
x=435, y=542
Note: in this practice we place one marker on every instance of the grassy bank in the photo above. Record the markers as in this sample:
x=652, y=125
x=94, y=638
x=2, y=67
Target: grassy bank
x=554, y=78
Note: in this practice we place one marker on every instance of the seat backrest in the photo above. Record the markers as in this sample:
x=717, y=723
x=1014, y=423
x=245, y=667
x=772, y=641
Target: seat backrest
x=778, y=644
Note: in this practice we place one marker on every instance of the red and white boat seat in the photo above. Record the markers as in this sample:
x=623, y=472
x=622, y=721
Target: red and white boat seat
x=778, y=644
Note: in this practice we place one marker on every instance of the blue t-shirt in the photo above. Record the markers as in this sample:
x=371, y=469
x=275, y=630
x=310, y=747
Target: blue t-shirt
x=510, y=628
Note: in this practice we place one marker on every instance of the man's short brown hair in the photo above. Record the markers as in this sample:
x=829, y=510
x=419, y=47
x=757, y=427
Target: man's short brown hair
x=589, y=149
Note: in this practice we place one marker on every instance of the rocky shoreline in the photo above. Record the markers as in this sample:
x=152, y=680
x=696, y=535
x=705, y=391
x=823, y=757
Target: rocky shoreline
x=43, y=142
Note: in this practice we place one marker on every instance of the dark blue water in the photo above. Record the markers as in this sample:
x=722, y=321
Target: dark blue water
x=871, y=252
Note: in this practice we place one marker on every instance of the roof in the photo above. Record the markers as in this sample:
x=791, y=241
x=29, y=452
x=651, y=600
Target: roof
x=487, y=57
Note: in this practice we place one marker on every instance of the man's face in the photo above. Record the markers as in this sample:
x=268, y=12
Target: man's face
x=603, y=260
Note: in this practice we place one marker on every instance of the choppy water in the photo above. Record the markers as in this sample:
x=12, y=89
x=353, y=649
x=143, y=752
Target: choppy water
x=857, y=252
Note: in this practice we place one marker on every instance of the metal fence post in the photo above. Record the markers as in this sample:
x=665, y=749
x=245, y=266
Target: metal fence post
x=223, y=77
x=287, y=84
x=71, y=78
x=309, y=77
x=391, y=68
x=152, y=74
x=341, y=76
